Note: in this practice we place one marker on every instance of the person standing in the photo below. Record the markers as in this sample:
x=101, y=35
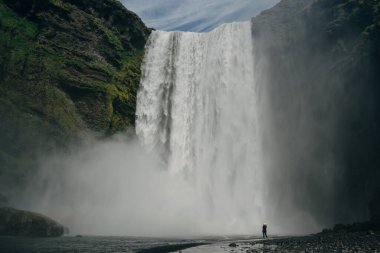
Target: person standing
x=265, y=230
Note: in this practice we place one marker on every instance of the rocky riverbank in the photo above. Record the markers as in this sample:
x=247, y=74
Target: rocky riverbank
x=331, y=242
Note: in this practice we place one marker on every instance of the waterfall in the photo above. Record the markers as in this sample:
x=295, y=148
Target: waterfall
x=204, y=163
x=198, y=108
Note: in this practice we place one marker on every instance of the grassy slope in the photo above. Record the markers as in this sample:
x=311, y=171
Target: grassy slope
x=64, y=70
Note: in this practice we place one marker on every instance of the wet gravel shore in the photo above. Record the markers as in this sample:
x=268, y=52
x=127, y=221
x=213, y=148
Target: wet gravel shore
x=333, y=242
x=170, y=248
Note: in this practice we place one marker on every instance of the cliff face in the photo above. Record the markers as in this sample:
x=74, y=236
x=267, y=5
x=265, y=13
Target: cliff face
x=323, y=61
x=66, y=67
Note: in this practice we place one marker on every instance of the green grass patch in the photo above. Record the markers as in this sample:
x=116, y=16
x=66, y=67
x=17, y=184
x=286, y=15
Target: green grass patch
x=62, y=4
x=111, y=34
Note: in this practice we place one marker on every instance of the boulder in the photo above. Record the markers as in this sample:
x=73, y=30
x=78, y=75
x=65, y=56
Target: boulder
x=15, y=222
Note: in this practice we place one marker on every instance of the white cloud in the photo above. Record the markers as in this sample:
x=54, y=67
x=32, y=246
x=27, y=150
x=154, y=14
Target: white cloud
x=195, y=15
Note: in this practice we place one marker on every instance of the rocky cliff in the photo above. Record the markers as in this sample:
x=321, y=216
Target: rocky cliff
x=323, y=59
x=66, y=68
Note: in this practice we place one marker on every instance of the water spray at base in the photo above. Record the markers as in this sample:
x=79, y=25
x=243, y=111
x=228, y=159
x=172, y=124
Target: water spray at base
x=197, y=168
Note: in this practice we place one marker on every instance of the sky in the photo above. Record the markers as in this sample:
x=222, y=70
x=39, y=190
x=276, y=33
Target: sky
x=195, y=15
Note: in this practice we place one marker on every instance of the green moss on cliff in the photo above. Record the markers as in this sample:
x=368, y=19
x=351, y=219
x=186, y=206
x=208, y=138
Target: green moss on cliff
x=10, y=22
x=112, y=37
x=28, y=70
x=67, y=67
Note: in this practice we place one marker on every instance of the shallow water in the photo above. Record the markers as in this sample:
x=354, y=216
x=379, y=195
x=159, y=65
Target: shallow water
x=93, y=244
x=118, y=244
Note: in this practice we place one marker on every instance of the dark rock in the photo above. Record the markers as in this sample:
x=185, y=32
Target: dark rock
x=350, y=228
x=328, y=49
x=340, y=228
x=233, y=244
x=374, y=208
x=335, y=242
x=355, y=227
x=326, y=231
x=15, y=222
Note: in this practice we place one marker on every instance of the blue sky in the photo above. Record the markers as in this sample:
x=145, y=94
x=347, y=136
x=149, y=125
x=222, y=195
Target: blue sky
x=195, y=15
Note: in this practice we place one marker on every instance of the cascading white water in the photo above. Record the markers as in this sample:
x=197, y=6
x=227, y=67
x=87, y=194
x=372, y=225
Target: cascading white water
x=198, y=107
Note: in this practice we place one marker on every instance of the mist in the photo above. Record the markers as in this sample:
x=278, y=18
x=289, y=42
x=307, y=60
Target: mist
x=114, y=187
x=251, y=123
x=117, y=187
x=211, y=162
x=202, y=164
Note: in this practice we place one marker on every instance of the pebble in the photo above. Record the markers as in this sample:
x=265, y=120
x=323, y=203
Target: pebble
x=335, y=242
